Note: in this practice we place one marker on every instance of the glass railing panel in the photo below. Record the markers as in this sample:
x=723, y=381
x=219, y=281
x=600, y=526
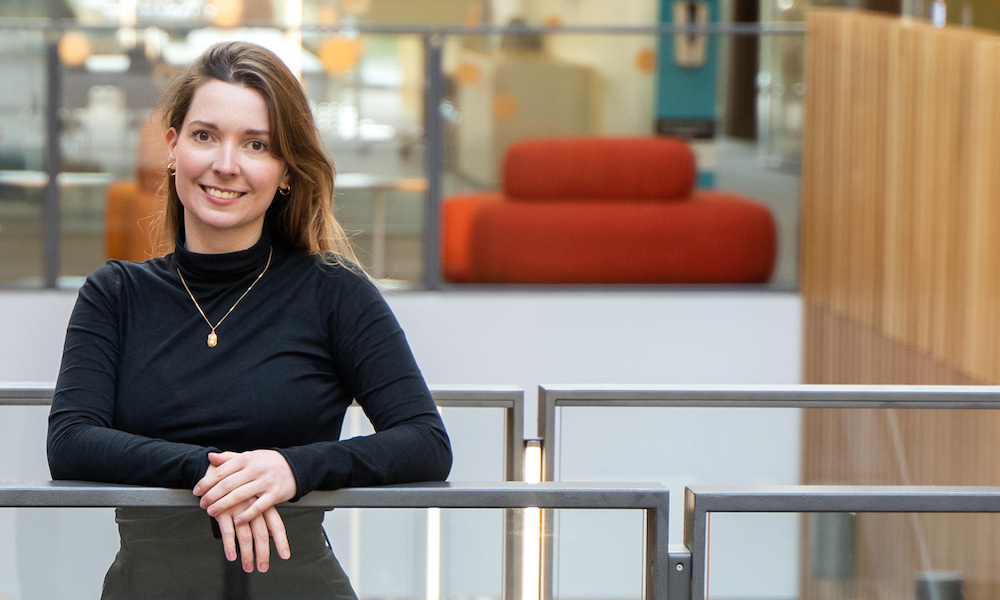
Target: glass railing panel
x=855, y=556
x=56, y=553
x=684, y=446
x=395, y=553
x=477, y=439
x=22, y=443
x=598, y=555
x=754, y=556
x=66, y=552
x=387, y=550
x=678, y=446
x=472, y=543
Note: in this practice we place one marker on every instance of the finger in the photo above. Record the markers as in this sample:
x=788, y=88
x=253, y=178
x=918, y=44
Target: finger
x=261, y=543
x=256, y=509
x=213, y=475
x=228, y=536
x=276, y=527
x=228, y=493
x=244, y=537
x=221, y=458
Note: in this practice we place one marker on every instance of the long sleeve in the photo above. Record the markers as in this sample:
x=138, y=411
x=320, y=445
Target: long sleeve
x=142, y=399
x=373, y=357
x=83, y=442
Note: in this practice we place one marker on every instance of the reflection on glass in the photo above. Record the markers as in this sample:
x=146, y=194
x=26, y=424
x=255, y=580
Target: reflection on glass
x=852, y=556
x=40, y=554
x=598, y=555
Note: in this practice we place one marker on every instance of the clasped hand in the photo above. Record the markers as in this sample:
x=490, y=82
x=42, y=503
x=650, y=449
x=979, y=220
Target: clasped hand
x=240, y=490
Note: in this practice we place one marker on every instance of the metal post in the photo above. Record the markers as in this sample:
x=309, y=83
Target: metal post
x=433, y=157
x=658, y=562
x=53, y=163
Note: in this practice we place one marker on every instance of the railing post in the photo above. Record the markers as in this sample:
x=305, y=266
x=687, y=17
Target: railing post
x=53, y=160
x=433, y=157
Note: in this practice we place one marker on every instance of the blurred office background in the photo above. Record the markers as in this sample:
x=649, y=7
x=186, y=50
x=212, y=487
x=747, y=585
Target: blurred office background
x=844, y=311
x=363, y=64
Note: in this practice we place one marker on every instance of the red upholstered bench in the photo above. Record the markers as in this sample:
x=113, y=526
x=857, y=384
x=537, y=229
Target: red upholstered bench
x=605, y=210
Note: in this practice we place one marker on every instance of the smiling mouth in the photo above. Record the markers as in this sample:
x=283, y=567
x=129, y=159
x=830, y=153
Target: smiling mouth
x=221, y=194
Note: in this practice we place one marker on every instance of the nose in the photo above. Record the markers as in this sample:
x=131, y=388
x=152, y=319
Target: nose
x=226, y=161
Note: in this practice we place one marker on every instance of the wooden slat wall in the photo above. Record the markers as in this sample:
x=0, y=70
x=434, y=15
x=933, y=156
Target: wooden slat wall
x=900, y=276
x=900, y=182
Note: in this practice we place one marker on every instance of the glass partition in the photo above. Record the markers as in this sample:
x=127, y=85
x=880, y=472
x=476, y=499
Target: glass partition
x=684, y=446
x=387, y=553
x=470, y=545
x=65, y=553
x=22, y=147
x=855, y=556
x=368, y=88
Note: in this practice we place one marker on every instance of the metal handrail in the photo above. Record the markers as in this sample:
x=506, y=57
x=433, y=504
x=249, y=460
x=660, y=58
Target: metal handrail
x=651, y=498
x=700, y=501
x=552, y=397
x=510, y=398
x=26, y=393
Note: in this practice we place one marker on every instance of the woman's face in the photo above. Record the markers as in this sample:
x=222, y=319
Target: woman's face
x=226, y=175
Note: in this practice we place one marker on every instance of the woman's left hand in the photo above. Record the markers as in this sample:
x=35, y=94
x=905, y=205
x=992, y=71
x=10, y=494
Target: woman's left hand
x=235, y=477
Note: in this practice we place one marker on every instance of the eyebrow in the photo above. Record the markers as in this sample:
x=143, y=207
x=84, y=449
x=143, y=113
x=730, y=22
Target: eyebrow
x=260, y=132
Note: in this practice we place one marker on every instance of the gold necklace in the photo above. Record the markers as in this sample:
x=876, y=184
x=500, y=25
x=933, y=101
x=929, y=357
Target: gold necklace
x=213, y=339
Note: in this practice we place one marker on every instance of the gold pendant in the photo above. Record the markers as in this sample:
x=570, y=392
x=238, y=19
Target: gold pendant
x=212, y=340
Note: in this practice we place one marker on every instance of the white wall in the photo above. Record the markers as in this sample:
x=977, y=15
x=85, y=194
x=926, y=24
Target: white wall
x=524, y=338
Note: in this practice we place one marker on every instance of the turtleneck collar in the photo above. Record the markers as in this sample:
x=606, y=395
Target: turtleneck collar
x=222, y=268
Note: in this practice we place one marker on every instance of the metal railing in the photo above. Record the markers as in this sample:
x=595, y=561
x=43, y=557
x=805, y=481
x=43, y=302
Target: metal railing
x=678, y=573
x=699, y=502
x=652, y=499
x=668, y=575
x=553, y=397
x=508, y=398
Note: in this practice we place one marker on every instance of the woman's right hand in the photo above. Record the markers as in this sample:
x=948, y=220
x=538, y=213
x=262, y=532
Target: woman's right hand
x=253, y=538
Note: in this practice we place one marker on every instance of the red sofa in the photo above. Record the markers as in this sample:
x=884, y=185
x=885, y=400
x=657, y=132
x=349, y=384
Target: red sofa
x=605, y=210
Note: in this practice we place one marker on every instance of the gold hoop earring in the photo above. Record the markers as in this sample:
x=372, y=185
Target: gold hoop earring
x=171, y=171
x=285, y=191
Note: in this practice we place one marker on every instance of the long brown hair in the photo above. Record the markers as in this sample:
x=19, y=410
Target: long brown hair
x=302, y=221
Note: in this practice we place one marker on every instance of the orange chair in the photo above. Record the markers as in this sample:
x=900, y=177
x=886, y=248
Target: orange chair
x=605, y=210
x=133, y=205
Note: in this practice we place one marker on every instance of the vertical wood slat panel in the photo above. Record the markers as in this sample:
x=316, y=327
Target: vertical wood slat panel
x=981, y=347
x=899, y=182
x=900, y=276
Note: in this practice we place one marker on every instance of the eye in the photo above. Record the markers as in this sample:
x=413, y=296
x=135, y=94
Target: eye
x=258, y=146
x=201, y=135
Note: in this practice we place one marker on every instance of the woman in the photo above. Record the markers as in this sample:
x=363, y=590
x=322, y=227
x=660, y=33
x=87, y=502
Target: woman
x=225, y=367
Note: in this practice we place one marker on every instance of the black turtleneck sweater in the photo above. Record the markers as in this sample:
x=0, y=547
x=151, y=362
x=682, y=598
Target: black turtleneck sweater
x=142, y=399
